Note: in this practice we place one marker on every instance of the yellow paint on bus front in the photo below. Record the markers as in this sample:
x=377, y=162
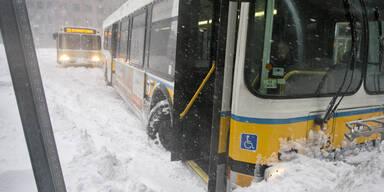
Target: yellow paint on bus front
x=270, y=136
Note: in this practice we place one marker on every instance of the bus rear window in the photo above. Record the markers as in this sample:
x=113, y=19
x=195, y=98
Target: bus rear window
x=69, y=41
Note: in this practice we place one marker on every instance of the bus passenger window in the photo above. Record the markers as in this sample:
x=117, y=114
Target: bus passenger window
x=136, y=56
x=162, y=47
x=204, y=28
x=305, y=52
x=123, y=39
x=374, y=78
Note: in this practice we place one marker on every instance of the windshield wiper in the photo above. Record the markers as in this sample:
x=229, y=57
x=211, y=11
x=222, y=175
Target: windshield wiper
x=333, y=104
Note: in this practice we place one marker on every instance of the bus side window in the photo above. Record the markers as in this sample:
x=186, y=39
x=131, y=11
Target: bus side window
x=136, y=48
x=124, y=39
x=375, y=70
x=162, y=46
x=204, y=35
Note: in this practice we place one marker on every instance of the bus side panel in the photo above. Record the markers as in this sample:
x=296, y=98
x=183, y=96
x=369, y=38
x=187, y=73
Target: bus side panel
x=130, y=84
x=345, y=116
x=138, y=88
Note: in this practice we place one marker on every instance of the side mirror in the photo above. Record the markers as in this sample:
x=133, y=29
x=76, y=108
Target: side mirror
x=54, y=35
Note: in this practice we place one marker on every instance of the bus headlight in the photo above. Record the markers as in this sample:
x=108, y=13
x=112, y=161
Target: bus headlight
x=274, y=172
x=95, y=58
x=64, y=57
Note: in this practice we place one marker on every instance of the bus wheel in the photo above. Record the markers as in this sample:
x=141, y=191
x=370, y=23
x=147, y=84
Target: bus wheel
x=159, y=123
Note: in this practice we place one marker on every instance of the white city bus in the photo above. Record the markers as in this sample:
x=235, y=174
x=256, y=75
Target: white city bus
x=224, y=84
x=78, y=46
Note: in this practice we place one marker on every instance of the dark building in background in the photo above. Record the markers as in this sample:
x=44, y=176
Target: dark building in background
x=47, y=16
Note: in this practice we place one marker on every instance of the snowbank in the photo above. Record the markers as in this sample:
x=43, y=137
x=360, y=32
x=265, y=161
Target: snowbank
x=356, y=170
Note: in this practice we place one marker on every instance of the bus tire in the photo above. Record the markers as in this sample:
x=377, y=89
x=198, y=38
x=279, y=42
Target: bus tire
x=159, y=124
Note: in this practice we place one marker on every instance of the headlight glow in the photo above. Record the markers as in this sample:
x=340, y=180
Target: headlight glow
x=95, y=58
x=64, y=57
x=274, y=172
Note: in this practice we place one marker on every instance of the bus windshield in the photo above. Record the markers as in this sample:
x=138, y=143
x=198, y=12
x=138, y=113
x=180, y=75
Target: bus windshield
x=294, y=50
x=90, y=42
x=79, y=41
x=69, y=41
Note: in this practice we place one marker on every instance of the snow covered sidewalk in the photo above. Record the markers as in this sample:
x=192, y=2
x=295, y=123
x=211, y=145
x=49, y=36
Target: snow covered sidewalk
x=101, y=144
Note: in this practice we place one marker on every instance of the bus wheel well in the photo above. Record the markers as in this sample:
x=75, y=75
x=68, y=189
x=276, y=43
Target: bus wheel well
x=157, y=96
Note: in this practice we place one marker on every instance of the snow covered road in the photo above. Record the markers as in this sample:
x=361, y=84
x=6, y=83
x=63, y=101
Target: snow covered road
x=103, y=147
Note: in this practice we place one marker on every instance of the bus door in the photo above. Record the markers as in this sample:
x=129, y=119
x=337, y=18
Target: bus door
x=192, y=132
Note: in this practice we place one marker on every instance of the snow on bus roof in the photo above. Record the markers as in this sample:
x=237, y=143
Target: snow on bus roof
x=124, y=10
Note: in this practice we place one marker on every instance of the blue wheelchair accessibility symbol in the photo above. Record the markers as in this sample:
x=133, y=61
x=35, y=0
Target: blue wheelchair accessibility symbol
x=248, y=142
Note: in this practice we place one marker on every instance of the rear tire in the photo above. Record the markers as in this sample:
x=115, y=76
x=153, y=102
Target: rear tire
x=159, y=124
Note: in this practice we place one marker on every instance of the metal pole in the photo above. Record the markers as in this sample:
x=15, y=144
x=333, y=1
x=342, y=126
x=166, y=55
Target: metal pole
x=22, y=61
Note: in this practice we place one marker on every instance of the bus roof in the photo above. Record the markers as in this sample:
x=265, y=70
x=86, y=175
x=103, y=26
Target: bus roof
x=124, y=10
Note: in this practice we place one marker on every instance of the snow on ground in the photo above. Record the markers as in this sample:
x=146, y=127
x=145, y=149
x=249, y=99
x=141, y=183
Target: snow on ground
x=104, y=147
x=356, y=170
x=101, y=144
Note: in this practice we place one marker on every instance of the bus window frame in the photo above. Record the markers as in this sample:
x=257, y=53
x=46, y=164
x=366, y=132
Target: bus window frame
x=148, y=27
x=363, y=50
x=138, y=12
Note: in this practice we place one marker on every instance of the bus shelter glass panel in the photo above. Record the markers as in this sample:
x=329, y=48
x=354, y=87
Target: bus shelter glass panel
x=374, y=79
x=69, y=41
x=304, y=48
x=15, y=167
x=137, y=40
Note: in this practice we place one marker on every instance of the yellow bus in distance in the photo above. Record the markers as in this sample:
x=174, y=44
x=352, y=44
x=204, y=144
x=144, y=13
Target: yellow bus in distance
x=78, y=46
